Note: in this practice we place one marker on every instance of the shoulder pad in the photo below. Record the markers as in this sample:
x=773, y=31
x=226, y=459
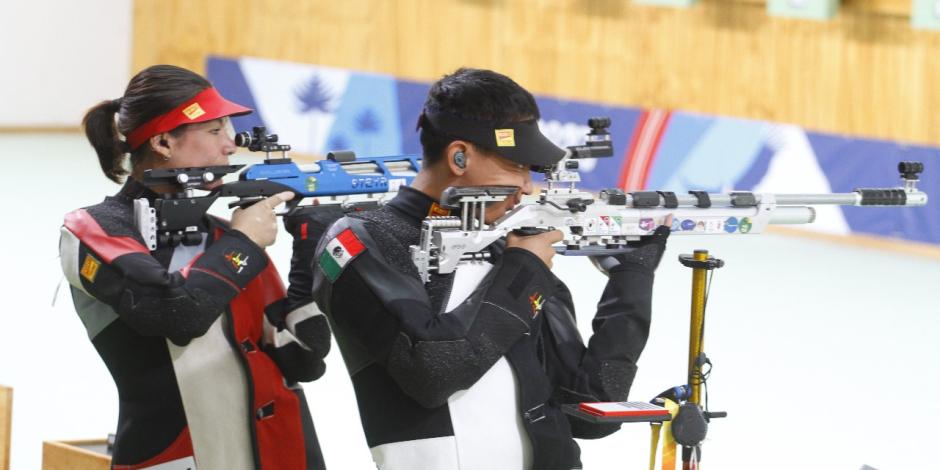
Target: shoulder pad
x=341, y=244
x=108, y=238
x=387, y=281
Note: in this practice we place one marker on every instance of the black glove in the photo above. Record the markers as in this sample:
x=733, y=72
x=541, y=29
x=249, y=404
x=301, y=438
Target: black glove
x=309, y=223
x=307, y=226
x=647, y=252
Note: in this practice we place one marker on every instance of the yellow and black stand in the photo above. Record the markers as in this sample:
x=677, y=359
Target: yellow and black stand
x=689, y=421
x=701, y=263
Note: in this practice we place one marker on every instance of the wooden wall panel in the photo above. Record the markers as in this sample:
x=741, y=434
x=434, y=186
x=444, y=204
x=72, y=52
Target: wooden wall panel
x=864, y=73
x=6, y=425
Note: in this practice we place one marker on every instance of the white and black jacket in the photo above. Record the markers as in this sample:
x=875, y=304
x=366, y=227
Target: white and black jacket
x=203, y=342
x=470, y=370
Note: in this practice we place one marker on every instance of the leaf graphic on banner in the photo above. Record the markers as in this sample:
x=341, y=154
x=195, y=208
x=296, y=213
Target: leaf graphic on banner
x=339, y=142
x=314, y=95
x=368, y=126
x=367, y=122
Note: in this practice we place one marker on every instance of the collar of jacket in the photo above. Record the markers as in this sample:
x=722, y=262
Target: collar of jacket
x=415, y=205
x=134, y=189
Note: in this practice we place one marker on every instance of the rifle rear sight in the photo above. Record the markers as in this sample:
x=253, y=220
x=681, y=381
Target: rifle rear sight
x=260, y=141
x=596, y=145
x=910, y=174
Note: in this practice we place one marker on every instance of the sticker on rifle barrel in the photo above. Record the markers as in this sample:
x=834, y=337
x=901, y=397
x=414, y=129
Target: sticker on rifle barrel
x=745, y=225
x=395, y=184
x=311, y=183
x=505, y=137
x=731, y=225
x=646, y=224
x=688, y=224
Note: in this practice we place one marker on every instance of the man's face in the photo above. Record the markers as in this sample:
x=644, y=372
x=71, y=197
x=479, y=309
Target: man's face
x=489, y=169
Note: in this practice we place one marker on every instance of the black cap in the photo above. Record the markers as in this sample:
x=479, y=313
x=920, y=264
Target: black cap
x=520, y=141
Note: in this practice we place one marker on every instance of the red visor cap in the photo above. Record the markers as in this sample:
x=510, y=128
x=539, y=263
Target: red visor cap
x=207, y=105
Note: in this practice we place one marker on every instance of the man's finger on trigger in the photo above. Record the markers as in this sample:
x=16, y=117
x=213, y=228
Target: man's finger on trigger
x=556, y=236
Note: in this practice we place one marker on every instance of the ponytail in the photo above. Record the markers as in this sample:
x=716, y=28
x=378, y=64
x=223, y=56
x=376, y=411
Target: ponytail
x=155, y=90
x=101, y=131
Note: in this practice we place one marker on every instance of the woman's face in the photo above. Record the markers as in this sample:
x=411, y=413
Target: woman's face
x=202, y=144
x=198, y=145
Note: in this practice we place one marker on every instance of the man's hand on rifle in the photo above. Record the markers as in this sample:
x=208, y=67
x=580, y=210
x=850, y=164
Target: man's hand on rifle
x=539, y=245
x=648, y=251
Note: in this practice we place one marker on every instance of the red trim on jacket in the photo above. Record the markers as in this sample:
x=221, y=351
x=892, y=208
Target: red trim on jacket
x=181, y=448
x=184, y=271
x=280, y=436
x=80, y=223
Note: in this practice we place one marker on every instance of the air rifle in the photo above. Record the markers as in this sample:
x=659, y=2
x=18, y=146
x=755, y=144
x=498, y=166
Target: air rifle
x=341, y=180
x=608, y=222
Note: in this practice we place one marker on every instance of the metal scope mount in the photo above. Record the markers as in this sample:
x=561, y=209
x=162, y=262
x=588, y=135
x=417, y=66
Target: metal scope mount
x=174, y=218
x=260, y=141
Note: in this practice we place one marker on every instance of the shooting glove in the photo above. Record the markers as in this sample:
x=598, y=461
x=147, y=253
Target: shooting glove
x=647, y=252
x=306, y=226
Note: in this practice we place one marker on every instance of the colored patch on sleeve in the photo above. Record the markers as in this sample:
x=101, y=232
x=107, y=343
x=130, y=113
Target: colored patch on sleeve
x=536, y=302
x=90, y=267
x=237, y=261
x=339, y=252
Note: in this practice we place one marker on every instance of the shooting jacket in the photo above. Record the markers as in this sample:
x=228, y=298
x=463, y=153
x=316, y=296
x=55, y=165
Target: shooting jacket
x=469, y=371
x=204, y=344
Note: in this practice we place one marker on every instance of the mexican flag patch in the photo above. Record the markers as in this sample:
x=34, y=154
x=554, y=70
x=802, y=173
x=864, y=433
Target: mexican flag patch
x=339, y=252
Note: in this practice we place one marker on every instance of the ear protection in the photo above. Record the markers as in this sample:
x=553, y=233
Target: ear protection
x=460, y=160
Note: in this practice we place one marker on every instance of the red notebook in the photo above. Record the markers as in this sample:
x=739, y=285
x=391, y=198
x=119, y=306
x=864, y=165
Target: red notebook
x=624, y=408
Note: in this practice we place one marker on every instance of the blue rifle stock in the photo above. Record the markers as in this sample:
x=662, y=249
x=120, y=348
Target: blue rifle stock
x=339, y=183
x=340, y=174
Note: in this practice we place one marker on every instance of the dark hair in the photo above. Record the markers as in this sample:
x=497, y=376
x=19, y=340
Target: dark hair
x=479, y=95
x=153, y=91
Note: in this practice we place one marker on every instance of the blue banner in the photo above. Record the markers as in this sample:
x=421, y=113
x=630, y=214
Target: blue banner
x=317, y=109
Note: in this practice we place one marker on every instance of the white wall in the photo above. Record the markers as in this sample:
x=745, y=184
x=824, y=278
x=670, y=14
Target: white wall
x=61, y=56
x=824, y=355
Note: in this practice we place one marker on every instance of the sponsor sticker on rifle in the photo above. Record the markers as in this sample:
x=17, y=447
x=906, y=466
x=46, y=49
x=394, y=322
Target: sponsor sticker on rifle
x=339, y=252
x=311, y=183
x=395, y=184
x=745, y=225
